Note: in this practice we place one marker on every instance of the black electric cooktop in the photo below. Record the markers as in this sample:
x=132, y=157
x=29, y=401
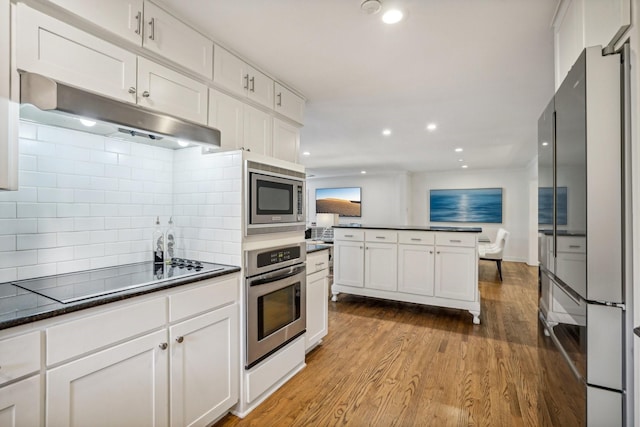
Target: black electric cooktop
x=72, y=287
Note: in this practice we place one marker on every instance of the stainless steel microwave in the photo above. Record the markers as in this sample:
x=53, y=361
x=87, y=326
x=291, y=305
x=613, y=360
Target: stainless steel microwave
x=275, y=199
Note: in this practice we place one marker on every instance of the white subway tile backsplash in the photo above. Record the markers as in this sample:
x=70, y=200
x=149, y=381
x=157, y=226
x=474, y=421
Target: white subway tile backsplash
x=18, y=226
x=102, y=210
x=74, y=181
x=89, y=251
x=119, y=248
x=88, y=168
x=7, y=243
x=129, y=185
x=69, y=137
x=118, y=197
x=39, y=270
x=37, y=179
x=130, y=234
x=18, y=258
x=28, y=163
x=36, y=241
x=106, y=236
x=105, y=261
x=71, y=266
x=232, y=223
x=55, y=164
x=142, y=198
x=87, y=224
x=27, y=146
x=130, y=210
x=55, y=195
x=141, y=246
x=71, y=210
x=51, y=225
x=8, y=274
x=114, y=171
x=74, y=238
x=73, y=153
x=231, y=198
x=103, y=157
x=46, y=256
x=27, y=130
x=144, y=222
x=8, y=210
x=132, y=162
x=113, y=223
x=134, y=258
x=88, y=196
x=99, y=183
x=117, y=146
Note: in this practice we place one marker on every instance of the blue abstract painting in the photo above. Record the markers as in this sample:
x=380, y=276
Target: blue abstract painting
x=545, y=205
x=469, y=205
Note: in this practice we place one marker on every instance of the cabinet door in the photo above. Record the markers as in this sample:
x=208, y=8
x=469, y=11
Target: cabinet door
x=349, y=264
x=286, y=140
x=20, y=403
x=288, y=103
x=258, y=131
x=260, y=88
x=226, y=115
x=416, y=269
x=456, y=273
x=54, y=49
x=121, y=17
x=381, y=266
x=165, y=90
x=176, y=41
x=204, y=367
x=125, y=385
x=317, y=307
x=8, y=109
x=230, y=72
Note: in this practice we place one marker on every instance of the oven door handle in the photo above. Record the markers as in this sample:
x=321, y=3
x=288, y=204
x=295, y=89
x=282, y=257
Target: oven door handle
x=275, y=276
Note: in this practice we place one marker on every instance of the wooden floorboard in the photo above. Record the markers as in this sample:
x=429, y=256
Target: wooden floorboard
x=386, y=363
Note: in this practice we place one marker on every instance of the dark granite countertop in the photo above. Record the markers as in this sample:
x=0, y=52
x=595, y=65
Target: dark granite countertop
x=316, y=247
x=637, y=331
x=414, y=228
x=563, y=233
x=20, y=306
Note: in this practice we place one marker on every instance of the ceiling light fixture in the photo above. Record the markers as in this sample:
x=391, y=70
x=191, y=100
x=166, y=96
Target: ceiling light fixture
x=88, y=123
x=363, y=172
x=458, y=150
x=182, y=143
x=386, y=132
x=306, y=153
x=545, y=143
x=371, y=6
x=432, y=126
x=392, y=16
x=461, y=160
x=464, y=166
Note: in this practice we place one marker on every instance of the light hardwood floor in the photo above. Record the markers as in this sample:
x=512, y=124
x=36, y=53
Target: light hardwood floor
x=394, y=364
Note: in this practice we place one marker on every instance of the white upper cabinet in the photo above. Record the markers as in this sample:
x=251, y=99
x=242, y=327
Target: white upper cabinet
x=121, y=17
x=171, y=38
x=288, y=103
x=237, y=76
x=150, y=26
x=163, y=89
x=258, y=131
x=583, y=23
x=8, y=109
x=58, y=50
x=226, y=115
x=286, y=141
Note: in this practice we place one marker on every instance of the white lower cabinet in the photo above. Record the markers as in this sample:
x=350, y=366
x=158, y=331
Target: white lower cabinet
x=20, y=403
x=381, y=266
x=424, y=267
x=456, y=273
x=348, y=266
x=126, y=385
x=416, y=267
x=317, y=298
x=204, y=367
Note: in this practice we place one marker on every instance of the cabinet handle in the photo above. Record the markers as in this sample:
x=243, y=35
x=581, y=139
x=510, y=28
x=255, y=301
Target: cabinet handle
x=360, y=247
x=279, y=104
x=146, y=94
x=152, y=27
x=380, y=237
x=416, y=240
x=253, y=84
x=455, y=241
x=163, y=346
x=138, y=22
x=179, y=340
x=132, y=90
x=348, y=235
x=574, y=246
x=318, y=264
x=246, y=82
x=432, y=252
x=438, y=252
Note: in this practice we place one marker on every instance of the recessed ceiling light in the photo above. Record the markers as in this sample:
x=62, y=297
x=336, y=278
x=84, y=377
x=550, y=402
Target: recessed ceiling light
x=432, y=126
x=464, y=166
x=306, y=153
x=392, y=16
x=363, y=172
x=545, y=143
x=88, y=123
x=458, y=150
x=386, y=132
x=371, y=6
x=182, y=143
x=461, y=160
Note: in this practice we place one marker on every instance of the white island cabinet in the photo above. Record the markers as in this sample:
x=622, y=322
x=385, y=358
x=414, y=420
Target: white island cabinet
x=437, y=268
x=317, y=298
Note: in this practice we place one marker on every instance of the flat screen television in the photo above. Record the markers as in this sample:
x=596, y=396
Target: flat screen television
x=466, y=205
x=341, y=201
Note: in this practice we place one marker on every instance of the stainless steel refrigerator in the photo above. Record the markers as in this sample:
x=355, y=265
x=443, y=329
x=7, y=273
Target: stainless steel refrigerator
x=584, y=244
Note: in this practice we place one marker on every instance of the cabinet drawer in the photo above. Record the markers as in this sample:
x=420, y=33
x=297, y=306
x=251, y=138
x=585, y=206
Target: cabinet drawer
x=317, y=261
x=416, y=237
x=381, y=236
x=19, y=356
x=572, y=244
x=347, y=234
x=456, y=239
x=79, y=336
x=204, y=298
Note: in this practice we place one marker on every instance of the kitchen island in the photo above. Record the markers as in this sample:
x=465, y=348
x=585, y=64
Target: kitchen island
x=426, y=265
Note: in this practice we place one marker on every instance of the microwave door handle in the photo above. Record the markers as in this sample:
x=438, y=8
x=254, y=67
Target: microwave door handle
x=274, y=277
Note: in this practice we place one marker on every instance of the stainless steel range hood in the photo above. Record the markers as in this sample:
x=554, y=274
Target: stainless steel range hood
x=115, y=118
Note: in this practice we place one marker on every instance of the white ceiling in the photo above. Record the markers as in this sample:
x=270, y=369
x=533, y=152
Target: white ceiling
x=481, y=69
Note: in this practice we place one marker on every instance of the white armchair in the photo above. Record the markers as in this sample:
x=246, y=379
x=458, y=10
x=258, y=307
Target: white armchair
x=493, y=251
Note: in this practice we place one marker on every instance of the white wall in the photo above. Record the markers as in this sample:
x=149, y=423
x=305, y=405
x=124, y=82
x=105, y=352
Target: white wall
x=384, y=198
x=515, y=193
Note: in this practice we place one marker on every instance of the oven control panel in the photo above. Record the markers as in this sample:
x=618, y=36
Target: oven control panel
x=277, y=256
